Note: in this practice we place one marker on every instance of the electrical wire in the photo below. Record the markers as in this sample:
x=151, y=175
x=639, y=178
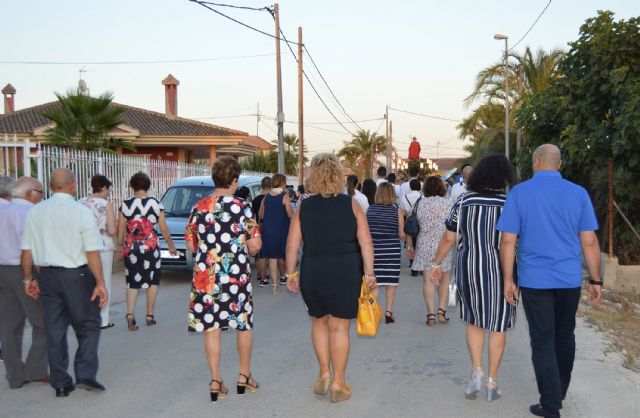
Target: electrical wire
x=133, y=62
x=205, y=5
x=226, y=117
x=534, y=23
x=236, y=7
x=424, y=115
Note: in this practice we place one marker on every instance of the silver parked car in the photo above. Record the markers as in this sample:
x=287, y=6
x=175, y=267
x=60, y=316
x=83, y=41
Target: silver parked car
x=178, y=201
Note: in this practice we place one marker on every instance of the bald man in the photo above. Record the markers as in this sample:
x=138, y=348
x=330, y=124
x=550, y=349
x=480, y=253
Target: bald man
x=553, y=222
x=461, y=187
x=62, y=239
x=15, y=306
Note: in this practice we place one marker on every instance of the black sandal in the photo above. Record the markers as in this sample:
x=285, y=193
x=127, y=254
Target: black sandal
x=442, y=316
x=109, y=325
x=218, y=393
x=388, y=317
x=431, y=320
x=241, y=386
x=151, y=321
x=131, y=322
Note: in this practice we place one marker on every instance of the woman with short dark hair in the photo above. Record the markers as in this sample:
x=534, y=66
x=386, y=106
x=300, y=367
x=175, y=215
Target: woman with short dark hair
x=138, y=241
x=222, y=232
x=478, y=274
x=105, y=217
x=431, y=211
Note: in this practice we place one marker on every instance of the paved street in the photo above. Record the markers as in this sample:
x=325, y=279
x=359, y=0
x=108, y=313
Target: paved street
x=407, y=370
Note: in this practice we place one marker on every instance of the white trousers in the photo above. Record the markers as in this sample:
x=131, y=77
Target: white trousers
x=106, y=257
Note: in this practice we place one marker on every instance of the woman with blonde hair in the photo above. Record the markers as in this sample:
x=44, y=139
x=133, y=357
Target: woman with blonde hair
x=386, y=224
x=275, y=212
x=337, y=250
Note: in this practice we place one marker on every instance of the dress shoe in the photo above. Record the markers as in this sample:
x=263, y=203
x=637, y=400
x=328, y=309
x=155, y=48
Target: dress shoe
x=65, y=391
x=90, y=385
x=539, y=411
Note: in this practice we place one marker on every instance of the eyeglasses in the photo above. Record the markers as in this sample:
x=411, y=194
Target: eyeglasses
x=36, y=190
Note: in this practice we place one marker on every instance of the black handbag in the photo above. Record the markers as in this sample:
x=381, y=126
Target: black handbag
x=412, y=225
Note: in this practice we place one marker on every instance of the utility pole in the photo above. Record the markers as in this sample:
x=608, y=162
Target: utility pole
x=386, y=118
x=280, y=116
x=300, y=111
x=390, y=133
x=258, y=120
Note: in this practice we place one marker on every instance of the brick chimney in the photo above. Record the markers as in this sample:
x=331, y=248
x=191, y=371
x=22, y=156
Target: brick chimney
x=170, y=96
x=9, y=91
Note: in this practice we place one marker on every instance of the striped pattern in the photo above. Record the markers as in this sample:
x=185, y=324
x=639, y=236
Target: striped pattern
x=383, y=224
x=478, y=272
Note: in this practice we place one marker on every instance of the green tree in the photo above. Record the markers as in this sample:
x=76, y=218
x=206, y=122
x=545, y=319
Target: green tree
x=256, y=162
x=291, y=155
x=362, y=150
x=86, y=122
x=593, y=113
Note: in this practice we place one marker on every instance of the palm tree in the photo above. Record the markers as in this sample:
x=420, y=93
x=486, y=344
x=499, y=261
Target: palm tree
x=366, y=146
x=86, y=122
x=291, y=155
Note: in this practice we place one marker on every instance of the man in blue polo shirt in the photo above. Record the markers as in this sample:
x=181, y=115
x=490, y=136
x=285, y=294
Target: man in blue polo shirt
x=553, y=222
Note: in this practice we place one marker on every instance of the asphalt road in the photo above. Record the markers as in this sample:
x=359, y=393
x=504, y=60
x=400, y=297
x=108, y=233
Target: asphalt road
x=408, y=370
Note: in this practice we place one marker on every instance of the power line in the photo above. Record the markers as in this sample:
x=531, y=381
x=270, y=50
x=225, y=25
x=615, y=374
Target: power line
x=226, y=117
x=534, y=23
x=133, y=62
x=424, y=115
x=206, y=5
x=235, y=7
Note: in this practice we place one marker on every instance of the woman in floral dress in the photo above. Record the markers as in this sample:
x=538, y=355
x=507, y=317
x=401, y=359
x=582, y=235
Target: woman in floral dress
x=138, y=242
x=223, y=233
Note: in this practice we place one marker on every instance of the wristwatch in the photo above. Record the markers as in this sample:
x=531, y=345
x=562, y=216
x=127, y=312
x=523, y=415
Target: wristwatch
x=596, y=282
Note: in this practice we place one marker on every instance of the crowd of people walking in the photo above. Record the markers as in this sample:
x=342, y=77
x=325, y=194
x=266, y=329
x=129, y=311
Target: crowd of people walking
x=323, y=241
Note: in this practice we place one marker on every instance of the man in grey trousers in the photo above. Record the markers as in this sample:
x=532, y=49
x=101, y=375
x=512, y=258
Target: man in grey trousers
x=61, y=238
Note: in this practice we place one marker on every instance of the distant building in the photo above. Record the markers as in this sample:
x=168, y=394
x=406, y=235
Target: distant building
x=157, y=135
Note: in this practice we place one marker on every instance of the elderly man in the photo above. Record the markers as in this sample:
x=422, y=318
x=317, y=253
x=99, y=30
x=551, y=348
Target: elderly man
x=6, y=190
x=461, y=187
x=61, y=238
x=553, y=222
x=15, y=305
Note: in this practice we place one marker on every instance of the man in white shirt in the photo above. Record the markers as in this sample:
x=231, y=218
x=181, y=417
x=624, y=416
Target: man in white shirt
x=15, y=305
x=408, y=201
x=461, y=187
x=414, y=170
x=352, y=183
x=382, y=175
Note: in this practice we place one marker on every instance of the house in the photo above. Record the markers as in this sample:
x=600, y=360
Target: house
x=164, y=136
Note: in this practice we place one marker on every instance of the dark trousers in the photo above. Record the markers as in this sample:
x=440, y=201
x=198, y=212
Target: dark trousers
x=15, y=308
x=66, y=298
x=551, y=314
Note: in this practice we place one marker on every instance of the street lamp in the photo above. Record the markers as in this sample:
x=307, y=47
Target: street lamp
x=500, y=37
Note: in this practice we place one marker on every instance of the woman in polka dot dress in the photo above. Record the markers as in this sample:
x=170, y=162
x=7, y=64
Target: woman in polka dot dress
x=223, y=233
x=137, y=220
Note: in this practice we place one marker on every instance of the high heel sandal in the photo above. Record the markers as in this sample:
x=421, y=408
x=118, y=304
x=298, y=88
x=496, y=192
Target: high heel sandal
x=220, y=393
x=475, y=384
x=388, y=317
x=150, y=320
x=341, y=394
x=275, y=289
x=242, y=386
x=442, y=316
x=431, y=320
x=131, y=322
x=322, y=385
x=493, y=393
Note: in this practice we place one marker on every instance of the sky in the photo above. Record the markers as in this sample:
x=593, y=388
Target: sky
x=419, y=56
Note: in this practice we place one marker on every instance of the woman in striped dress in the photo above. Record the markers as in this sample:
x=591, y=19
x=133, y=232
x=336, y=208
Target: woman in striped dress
x=480, y=287
x=387, y=228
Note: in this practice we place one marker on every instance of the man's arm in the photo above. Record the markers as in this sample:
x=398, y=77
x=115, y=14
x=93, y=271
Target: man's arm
x=507, y=261
x=95, y=265
x=30, y=284
x=591, y=251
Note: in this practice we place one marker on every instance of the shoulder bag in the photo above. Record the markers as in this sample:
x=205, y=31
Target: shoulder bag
x=369, y=312
x=412, y=225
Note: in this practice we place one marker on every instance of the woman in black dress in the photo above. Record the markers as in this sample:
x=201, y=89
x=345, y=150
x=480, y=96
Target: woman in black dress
x=337, y=250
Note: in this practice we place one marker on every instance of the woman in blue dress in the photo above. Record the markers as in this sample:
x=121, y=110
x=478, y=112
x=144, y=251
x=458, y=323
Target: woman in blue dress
x=275, y=212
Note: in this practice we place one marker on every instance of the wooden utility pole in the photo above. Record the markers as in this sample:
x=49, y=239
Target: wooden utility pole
x=386, y=119
x=258, y=120
x=610, y=181
x=280, y=116
x=300, y=111
x=390, y=142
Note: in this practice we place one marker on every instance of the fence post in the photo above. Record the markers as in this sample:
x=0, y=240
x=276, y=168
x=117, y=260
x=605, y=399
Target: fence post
x=26, y=158
x=39, y=164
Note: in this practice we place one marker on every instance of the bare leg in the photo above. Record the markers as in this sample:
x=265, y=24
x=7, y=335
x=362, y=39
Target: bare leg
x=339, y=348
x=262, y=267
x=390, y=292
x=152, y=296
x=320, y=339
x=429, y=292
x=212, y=350
x=132, y=295
x=475, y=344
x=497, y=342
x=244, y=339
x=282, y=266
x=443, y=291
x=273, y=270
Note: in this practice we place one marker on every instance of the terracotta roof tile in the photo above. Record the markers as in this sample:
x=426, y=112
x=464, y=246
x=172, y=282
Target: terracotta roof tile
x=257, y=142
x=27, y=120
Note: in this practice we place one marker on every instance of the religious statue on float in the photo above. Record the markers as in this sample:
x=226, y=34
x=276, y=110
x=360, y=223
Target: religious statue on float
x=414, y=149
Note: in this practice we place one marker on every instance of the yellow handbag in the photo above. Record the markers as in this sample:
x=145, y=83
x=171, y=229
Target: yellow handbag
x=369, y=312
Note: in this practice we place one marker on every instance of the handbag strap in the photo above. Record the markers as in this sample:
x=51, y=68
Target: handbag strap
x=414, y=211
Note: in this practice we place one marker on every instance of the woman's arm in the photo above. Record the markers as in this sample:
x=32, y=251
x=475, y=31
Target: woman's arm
x=401, y=233
x=111, y=221
x=261, y=209
x=291, y=256
x=366, y=244
x=164, y=229
x=287, y=205
x=446, y=242
x=120, y=235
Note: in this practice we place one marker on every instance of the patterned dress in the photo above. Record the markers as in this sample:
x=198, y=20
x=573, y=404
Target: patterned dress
x=383, y=224
x=141, y=252
x=221, y=289
x=478, y=272
x=432, y=212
